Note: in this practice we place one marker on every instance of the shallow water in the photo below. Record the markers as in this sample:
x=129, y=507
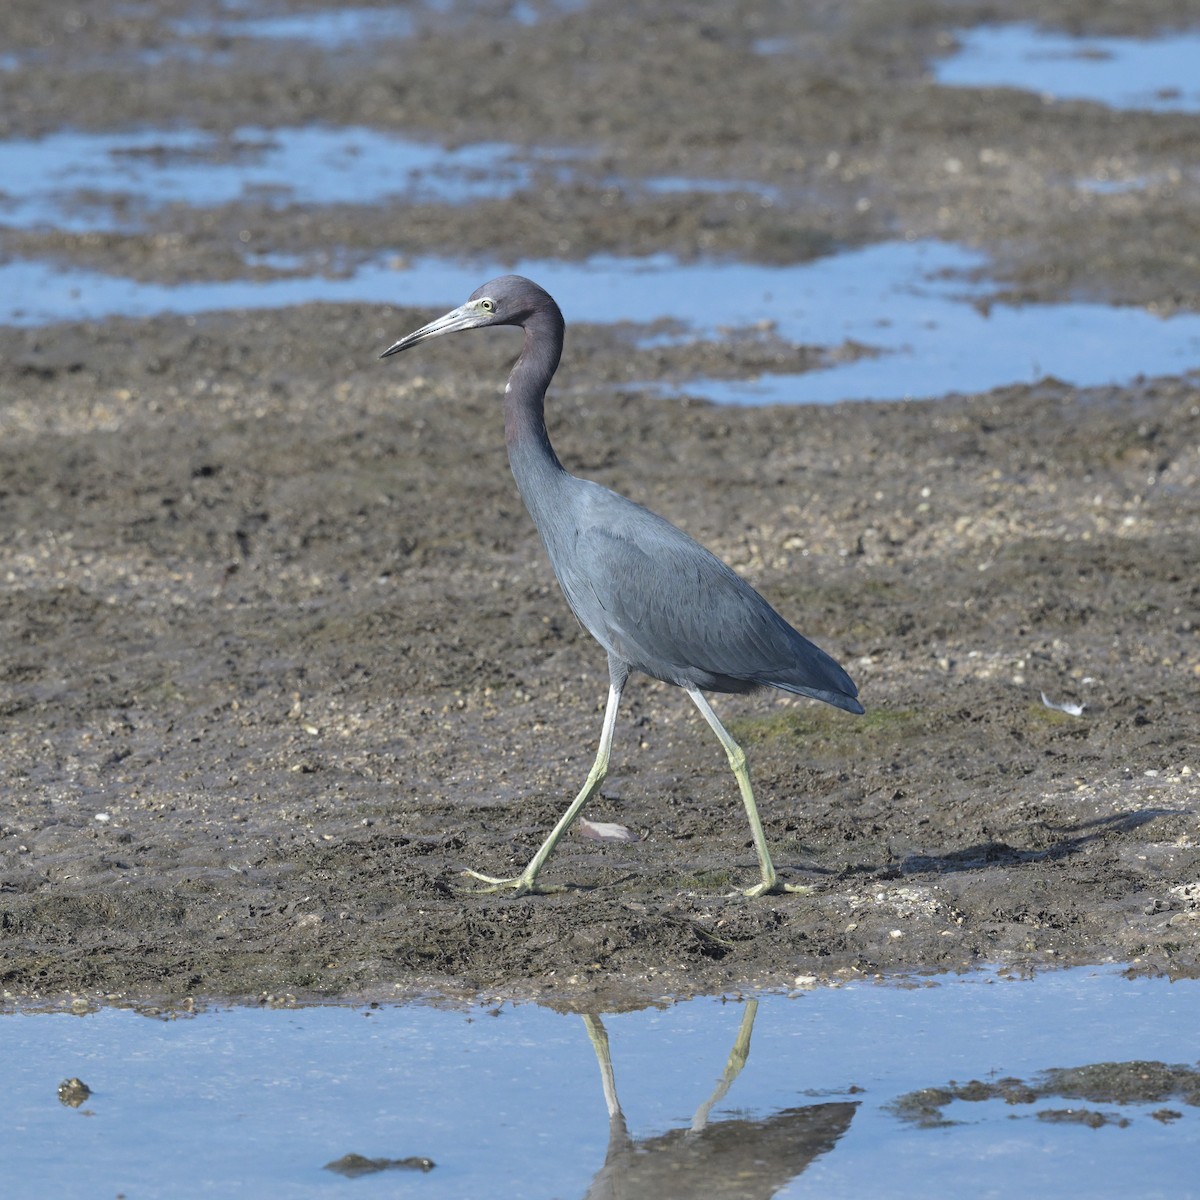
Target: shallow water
x=511, y=1101
x=98, y=181
x=919, y=308
x=1159, y=73
x=332, y=28
x=338, y=28
x=917, y=304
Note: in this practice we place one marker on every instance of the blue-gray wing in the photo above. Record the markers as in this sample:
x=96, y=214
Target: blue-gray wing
x=660, y=601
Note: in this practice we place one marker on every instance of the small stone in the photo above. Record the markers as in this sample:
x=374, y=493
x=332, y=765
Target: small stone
x=73, y=1092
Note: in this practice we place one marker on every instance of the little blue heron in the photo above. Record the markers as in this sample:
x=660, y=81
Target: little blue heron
x=657, y=601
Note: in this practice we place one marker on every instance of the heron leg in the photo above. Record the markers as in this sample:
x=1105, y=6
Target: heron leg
x=737, y=760
x=527, y=880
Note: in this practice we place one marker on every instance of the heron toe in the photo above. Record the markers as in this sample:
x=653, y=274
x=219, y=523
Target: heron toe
x=521, y=885
x=777, y=889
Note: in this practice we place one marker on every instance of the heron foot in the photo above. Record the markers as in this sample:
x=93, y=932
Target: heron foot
x=521, y=885
x=775, y=888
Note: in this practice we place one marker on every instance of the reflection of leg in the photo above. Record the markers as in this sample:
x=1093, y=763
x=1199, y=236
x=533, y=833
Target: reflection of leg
x=527, y=880
x=737, y=760
x=733, y=1066
x=618, y=1131
x=598, y=1036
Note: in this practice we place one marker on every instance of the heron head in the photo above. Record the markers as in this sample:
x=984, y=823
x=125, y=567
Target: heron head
x=509, y=300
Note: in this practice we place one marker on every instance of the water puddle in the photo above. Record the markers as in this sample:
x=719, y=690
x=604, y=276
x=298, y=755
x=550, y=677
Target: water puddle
x=339, y=28
x=917, y=310
x=1079, y=1082
x=330, y=28
x=1159, y=73
x=83, y=181
x=916, y=305
x=667, y=185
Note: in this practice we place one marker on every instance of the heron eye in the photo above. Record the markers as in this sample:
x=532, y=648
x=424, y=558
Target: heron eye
x=486, y=305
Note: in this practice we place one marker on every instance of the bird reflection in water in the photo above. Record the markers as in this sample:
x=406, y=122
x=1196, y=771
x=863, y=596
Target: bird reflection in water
x=734, y=1159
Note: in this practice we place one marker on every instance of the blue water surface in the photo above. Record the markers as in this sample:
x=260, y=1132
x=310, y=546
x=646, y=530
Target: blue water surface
x=510, y=1101
x=1161, y=74
x=915, y=305
x=81, y=181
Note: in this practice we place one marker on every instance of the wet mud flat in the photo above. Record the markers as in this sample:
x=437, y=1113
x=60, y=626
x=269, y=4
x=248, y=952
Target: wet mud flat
x=280, y=654
x=282, y=657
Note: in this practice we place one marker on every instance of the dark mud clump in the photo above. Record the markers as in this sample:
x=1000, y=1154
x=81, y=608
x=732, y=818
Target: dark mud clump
x=1123, y=1083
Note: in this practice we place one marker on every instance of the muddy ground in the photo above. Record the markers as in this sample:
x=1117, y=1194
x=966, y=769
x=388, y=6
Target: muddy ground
x=280, y=651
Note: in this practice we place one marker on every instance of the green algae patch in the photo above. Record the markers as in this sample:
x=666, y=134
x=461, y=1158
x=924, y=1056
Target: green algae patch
x=829, y=725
